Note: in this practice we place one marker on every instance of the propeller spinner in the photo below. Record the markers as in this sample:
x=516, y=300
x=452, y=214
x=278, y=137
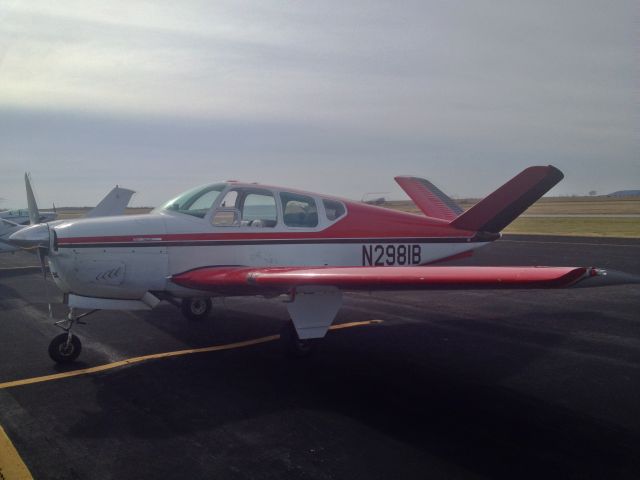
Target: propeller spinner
x=35, y=236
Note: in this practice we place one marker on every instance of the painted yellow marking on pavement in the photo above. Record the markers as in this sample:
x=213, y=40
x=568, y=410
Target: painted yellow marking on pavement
x=154, y=356
x=11, y=465
x=129, y=361
x=353, y=324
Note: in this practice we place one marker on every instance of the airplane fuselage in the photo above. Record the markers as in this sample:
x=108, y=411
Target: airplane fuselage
x=235, y=239
x=125, y=257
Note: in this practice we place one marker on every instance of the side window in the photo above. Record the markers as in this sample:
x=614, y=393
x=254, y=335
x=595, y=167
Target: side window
x=333, y=209
x=246, y=208
x=299, y=210
x=229, y=200
x=259, y=209
x=226, y=217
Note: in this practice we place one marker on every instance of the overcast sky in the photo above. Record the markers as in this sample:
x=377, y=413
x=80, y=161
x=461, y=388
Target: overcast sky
x=331, y=96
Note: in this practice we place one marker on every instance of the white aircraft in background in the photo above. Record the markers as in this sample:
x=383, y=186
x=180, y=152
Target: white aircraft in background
x=14, y=220
x=24, y=216
x=21, y=216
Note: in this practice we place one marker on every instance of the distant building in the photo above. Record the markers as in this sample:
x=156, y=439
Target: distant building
x=625, y=193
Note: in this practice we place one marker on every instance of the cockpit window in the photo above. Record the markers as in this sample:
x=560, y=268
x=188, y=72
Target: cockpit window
x=195, y=202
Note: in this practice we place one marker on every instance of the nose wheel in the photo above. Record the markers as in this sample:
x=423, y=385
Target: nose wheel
x=65, y=348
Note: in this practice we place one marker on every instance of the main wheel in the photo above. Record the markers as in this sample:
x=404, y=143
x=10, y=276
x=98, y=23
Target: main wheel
x=62, y=351
x=293, y=345
x=196, y=308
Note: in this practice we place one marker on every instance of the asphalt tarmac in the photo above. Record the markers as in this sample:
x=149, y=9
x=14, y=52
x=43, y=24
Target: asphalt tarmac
x=485, y=384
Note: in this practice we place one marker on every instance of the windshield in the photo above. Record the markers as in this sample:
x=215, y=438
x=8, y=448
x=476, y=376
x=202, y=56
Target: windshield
x=195, y=202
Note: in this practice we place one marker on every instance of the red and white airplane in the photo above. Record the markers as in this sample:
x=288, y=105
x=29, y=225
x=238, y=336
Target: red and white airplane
x=232, y=239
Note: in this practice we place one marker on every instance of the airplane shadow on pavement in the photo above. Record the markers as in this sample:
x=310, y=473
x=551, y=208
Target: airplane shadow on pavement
x=253, y=400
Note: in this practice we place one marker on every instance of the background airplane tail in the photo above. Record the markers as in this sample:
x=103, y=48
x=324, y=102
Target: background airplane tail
x=499, y=209
x=114, y=203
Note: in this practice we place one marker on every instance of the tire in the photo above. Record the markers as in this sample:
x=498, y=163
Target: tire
x=60, y=352
x=293, y=345
x=196, y=308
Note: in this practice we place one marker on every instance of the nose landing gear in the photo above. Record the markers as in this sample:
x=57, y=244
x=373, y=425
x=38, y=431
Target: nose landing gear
x=66, y=347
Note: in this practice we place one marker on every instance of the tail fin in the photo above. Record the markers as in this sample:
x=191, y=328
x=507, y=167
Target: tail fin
x=34, y=214
x=499, y=209
x=429, y=198
x=113, y=204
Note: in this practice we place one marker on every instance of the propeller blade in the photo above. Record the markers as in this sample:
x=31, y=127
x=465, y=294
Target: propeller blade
x=34, y=214
x=42, y=253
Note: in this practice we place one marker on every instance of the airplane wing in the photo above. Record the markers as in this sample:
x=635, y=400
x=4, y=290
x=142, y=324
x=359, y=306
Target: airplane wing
x=10, y=223
x=8, y=227
x=316, y=292
x=113, y=204
x=245, y=280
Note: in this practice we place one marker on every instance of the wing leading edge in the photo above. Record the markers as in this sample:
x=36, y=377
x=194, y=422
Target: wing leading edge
x=246, y=280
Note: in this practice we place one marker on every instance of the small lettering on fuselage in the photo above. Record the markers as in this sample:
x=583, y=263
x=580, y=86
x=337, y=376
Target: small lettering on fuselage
x=390, y=254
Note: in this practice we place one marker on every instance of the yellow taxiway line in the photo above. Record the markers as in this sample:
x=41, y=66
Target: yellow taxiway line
x=11, y=465
x=155, y=356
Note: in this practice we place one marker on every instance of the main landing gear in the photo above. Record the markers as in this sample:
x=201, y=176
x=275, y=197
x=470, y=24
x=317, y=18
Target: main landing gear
x=66, y=347
x=196, y=308
x=293, y=345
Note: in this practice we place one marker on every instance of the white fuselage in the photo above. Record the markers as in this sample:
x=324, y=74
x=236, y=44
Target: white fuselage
x=126, y=256
x=109, y=268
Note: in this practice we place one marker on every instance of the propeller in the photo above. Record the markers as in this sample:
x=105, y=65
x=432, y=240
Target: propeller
x=36, y=237
x=42, y=253
x=34, y=214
